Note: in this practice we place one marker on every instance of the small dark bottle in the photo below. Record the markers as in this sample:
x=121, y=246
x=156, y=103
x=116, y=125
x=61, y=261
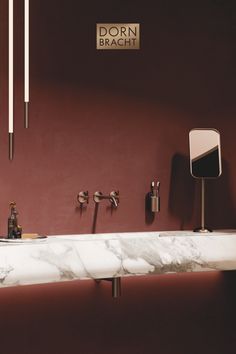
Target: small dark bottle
x=18, y=231
x=14, y=231
x=10, y=233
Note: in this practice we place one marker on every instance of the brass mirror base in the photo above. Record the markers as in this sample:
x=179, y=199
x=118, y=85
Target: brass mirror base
x=202, y=231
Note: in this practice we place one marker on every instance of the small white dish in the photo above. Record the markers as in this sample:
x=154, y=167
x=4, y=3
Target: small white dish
x=23, y=240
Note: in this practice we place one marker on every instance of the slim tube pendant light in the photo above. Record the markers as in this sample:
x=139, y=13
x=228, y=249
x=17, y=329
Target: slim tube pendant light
x=26, y=62
x=10, y=81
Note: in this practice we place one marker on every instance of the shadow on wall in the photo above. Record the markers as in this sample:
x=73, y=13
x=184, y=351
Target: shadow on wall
x=182, y=190
x=220, y=208
x=82, y=208
x=149, y=215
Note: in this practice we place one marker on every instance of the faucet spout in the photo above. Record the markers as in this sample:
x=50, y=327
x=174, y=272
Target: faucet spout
x=115, y=198
x=113, y=202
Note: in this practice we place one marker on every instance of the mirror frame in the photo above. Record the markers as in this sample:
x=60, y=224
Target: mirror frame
x=220, y=159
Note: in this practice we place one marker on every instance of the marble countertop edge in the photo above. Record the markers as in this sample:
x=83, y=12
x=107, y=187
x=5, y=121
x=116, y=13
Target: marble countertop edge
x=80, y=257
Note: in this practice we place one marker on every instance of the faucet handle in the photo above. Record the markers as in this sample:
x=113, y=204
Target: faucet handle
x=115, y=198
x=83, y=197
x=97, y=197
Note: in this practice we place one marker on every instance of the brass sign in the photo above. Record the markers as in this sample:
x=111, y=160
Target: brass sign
x=118, y=36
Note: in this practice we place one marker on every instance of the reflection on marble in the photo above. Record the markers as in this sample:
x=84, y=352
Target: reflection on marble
x=70, y=257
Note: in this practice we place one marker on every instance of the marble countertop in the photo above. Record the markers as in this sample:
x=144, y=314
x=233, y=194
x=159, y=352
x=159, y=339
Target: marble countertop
x=71, y=257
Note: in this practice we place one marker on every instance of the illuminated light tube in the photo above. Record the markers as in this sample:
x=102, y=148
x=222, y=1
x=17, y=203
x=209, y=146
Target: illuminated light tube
x=26, y=62
x=10, y=80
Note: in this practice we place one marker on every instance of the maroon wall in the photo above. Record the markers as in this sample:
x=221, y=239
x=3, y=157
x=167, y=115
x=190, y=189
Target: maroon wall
x=104, y=120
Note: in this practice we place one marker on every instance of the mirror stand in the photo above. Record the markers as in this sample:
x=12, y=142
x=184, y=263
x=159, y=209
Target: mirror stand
x=202, y=229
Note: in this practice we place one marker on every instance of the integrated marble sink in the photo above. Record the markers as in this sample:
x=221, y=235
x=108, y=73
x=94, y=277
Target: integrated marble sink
x=99, y=256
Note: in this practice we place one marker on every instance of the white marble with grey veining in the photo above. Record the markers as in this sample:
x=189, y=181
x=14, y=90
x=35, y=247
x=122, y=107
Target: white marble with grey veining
x=71, y=257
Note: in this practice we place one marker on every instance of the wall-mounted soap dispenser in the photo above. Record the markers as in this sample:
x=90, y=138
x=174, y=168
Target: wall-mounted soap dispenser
x=155, y=197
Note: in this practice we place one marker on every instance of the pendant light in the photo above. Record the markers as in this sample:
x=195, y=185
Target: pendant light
x=11, y=72
x=10, y=80
x=26, y=63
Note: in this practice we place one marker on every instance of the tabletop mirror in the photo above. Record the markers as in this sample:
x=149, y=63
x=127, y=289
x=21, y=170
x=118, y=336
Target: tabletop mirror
x=205, y=161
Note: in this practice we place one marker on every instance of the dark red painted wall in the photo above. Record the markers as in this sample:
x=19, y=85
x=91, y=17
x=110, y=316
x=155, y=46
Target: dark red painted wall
x=116, y=120
x=104, y=120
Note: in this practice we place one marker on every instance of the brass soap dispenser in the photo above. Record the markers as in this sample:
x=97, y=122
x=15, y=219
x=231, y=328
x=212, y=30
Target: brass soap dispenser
x=155, y=197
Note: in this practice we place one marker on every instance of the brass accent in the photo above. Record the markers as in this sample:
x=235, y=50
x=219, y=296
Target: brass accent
x=202, y=229
x=83, y=197
x=118, y=36
x=113, y=197
x=26, y=114
x=116, y=286
x=11, y=146
x=155, y=197
x=12, y=205
x=97, y=197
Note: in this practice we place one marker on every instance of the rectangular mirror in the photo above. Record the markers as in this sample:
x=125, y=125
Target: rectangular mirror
x=205, y=153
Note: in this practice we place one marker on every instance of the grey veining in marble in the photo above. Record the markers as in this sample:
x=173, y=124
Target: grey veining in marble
x=70, y=257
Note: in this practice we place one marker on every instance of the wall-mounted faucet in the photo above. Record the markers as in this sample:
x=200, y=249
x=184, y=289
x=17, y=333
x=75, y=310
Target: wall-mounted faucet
x=113, y=197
